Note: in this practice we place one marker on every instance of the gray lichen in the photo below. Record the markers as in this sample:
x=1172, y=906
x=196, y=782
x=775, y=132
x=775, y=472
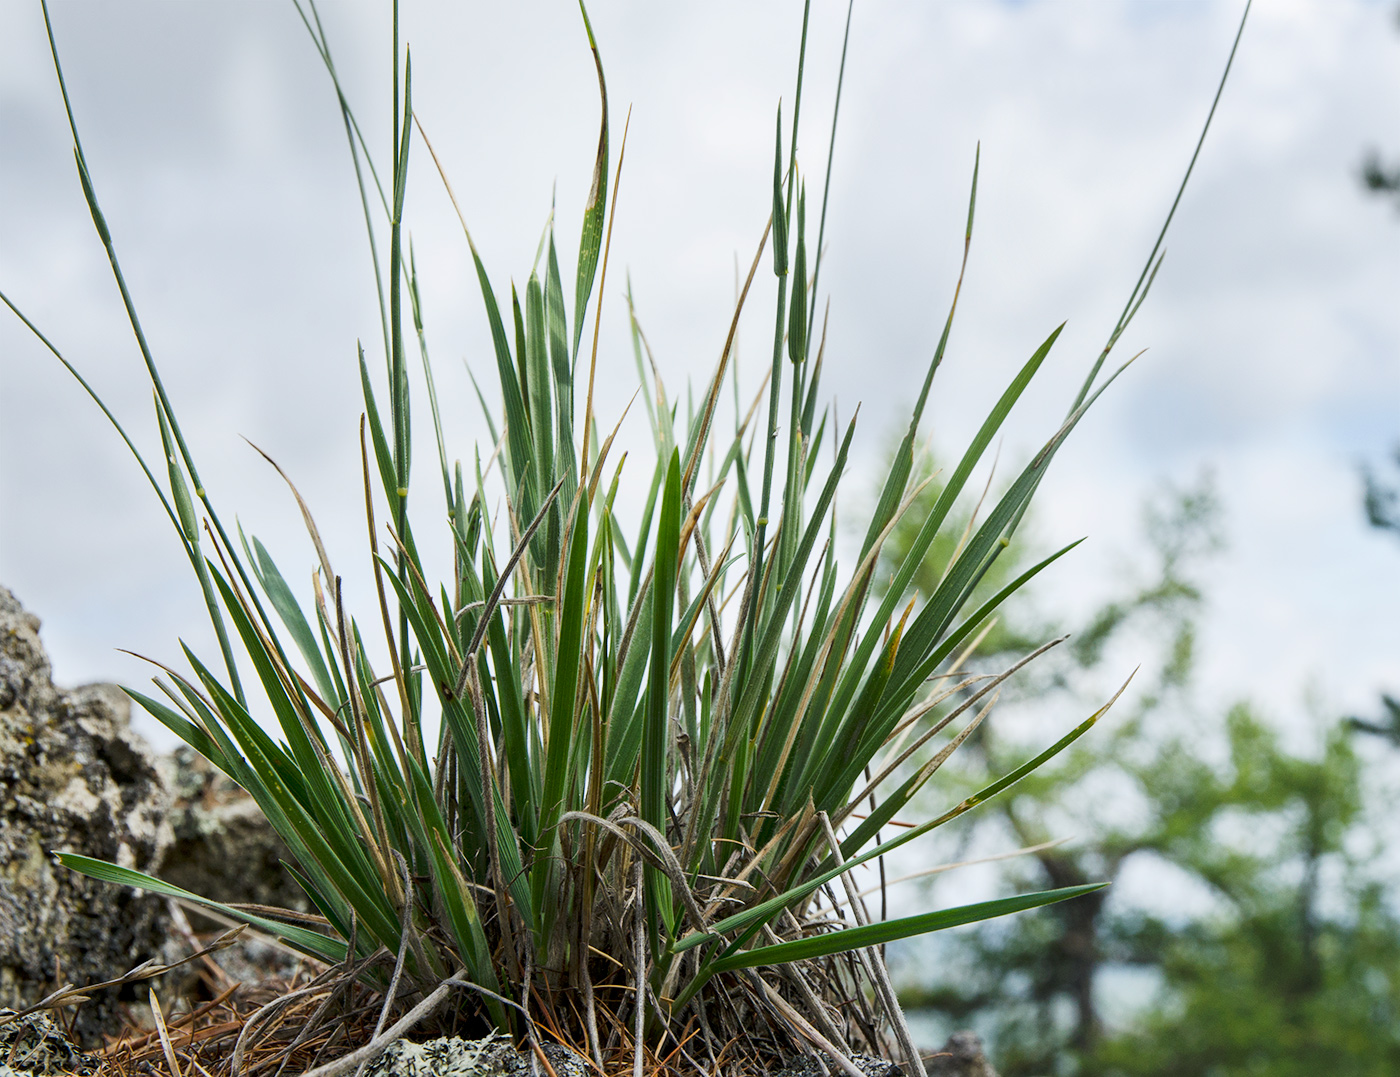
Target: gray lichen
x=451, y=1056
x=34, y=1046
x=73, y=778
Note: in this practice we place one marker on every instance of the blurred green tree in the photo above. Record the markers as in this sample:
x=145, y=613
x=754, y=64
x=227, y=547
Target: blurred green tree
x=1295, y=972
x=1292, y=967
x=1377, y=175
x=1381, y=502
x=1381, y=177
x=1382, y=496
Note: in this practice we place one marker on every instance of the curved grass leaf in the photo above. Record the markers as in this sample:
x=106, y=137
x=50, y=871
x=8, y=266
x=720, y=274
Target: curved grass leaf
x=886, y=931
x=303, y=939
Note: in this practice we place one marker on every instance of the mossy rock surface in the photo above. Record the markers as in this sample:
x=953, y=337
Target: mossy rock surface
x=452, y=1056
x=34, y=1046
x=73, y=778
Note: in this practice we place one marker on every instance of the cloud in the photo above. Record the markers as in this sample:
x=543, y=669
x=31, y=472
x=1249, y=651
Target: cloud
x=221, y=162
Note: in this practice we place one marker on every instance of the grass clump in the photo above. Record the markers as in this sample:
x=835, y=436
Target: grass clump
x=665, y=740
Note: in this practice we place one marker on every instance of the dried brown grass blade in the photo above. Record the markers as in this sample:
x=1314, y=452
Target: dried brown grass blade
x=165, y=1045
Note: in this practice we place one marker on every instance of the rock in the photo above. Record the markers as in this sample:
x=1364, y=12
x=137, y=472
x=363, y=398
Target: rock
x=34, y=1046
x=224, y=847
x=73, y=778
x=870, y=1065
x=451, y=1056
x=961, y=1056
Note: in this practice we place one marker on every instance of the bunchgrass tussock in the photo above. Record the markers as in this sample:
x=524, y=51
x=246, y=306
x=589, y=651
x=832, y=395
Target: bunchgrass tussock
x=665, y=741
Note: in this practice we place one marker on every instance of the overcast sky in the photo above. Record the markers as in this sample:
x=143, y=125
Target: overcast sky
x=217, y=151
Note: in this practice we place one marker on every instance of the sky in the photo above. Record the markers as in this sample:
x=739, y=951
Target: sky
x=1272, y=332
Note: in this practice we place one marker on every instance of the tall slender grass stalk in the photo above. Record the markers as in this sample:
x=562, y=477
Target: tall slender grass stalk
x=656, y=733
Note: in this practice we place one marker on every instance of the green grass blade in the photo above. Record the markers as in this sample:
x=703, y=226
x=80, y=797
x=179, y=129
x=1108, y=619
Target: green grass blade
x=417, y=308
x=767, y=653
x=887, y=931
x=540, y=404
x=322, y=842
x=562, y=701
x=590, y=242
x=556, y=318
x=657, y=730
x=517, y=421
x=826, y=871
x=309, y=942
x=797, y=318
x=1129, y=307
x=919, y=548
x=903, y=462
x=285, y=603
x=877, y=934
x=183, y=728
x=398, y=372
x=830, y=156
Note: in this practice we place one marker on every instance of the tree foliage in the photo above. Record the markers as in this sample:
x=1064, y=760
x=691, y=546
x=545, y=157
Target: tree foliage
x=1379, y=176
x=1271, y=945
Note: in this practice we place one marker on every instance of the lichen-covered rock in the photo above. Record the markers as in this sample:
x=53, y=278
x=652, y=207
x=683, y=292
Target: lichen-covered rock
x=34, y=1046
x=451, y=1056
x=224, y=847
x=870, y=1065
x=73, y=778
x=961, y=1056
